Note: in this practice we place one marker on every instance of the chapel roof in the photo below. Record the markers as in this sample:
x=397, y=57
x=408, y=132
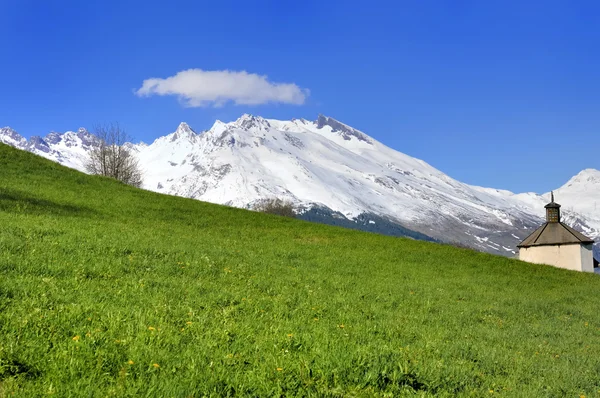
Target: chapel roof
x=554, y=233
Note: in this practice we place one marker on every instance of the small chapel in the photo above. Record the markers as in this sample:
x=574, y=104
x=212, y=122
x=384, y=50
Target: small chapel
x=557, y=244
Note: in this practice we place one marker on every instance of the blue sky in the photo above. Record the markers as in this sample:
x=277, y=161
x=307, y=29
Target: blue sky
x=494, y=93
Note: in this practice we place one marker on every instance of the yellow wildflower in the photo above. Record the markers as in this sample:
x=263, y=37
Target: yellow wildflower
x=279, y=369
x=151, y=328
x=188, y=323
x=130, y=362
x=76, y=338
x=156, y=365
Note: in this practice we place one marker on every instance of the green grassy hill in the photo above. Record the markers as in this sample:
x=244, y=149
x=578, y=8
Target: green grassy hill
x=107, y=290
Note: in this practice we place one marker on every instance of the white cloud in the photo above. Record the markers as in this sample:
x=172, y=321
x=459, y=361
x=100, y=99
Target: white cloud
x=200, y=88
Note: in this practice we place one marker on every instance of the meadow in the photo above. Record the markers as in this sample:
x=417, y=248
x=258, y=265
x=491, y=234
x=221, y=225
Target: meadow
x=107, y=290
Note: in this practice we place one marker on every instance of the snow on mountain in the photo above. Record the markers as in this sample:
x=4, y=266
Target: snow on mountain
x=69, y=149
x=328, y=164
x=11, y=137
x=581, y=194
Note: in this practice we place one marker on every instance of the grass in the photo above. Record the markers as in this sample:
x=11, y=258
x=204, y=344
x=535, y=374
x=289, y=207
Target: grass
x=106, y=290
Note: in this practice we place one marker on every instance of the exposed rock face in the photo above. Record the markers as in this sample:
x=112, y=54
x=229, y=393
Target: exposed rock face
x=345, y=131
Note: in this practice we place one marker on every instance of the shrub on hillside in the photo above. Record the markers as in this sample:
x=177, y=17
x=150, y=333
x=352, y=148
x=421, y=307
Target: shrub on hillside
x=280, y=207
x=111, y=157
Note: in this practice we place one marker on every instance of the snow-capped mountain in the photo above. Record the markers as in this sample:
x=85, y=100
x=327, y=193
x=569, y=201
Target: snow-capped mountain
x=326, y=164
x=70, y=148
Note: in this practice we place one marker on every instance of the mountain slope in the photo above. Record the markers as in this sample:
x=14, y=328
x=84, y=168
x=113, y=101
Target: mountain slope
x=329, y=165
x=107, y=290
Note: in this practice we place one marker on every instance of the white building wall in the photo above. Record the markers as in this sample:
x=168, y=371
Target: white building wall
x=587, y=257
x=575, y=257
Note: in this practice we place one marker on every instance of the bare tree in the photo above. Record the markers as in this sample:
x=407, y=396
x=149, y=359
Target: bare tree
x=110, y=156
x=276, y=206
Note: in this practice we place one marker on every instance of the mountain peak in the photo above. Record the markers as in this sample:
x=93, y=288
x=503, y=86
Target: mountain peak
x=7, y=130
x=183, y=131
x=248, y=121
x=185, y=128
x=244, y=117
x=53, y=137
x=218, y=127
x=585, y=177
x=11, y=137
x=589, y=172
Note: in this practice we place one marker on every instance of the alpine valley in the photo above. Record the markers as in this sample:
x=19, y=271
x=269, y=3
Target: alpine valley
x=334, y=174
